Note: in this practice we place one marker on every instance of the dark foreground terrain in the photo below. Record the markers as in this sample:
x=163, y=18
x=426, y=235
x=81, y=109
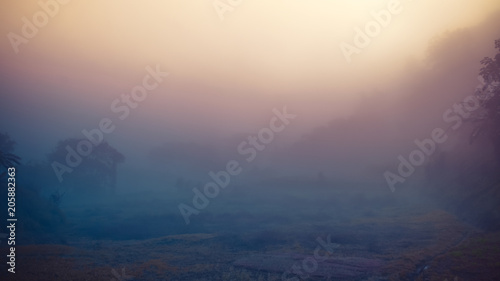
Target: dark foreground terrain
x=324, y=234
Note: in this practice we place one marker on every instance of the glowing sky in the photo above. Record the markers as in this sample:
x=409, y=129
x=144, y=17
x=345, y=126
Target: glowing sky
x=231, y=72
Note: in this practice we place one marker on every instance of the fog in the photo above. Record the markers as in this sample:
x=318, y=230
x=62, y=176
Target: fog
x=254, y=135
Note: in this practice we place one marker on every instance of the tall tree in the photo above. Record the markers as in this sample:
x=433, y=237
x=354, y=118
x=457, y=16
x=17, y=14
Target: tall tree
x=490, y=100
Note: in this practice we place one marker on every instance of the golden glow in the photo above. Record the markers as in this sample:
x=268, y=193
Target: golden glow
x=263, y=50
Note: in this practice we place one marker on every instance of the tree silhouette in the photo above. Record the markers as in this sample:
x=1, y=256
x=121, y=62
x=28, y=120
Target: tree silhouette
x=97, y=171
x=42, y=220
x=489, y=95
x=7, y=158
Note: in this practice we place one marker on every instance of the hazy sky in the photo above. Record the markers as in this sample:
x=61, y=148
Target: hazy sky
x=225, y=75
